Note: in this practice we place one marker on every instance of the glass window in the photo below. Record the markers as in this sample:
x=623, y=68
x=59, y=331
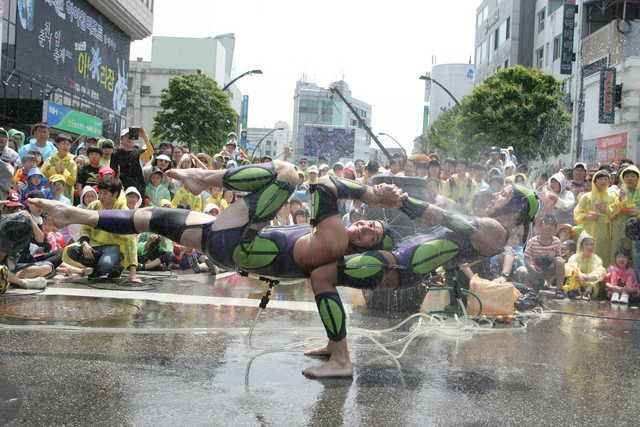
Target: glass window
x=507, y=31
x=482, y=16
x=483, y=52
x=539, y=57
x=490, y=48
x=13, y=9
x=496, y=38
x=541, y=18
x=556, y=48
x=546, y=55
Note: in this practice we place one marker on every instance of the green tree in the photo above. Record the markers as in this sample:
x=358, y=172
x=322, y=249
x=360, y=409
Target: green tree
x=195, y=111
x=516, y=106
x=445, y=136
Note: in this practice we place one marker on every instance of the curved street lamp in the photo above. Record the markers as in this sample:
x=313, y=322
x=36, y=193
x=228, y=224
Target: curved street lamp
x=263, y=138
x=428, y=78
x=246, y=73
x=394, y=140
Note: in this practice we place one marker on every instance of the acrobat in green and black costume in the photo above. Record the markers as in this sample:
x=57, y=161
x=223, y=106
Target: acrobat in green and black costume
x=248, y=247
x=419, y=255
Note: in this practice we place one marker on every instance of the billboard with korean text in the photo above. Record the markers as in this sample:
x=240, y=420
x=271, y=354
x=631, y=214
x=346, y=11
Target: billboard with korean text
x=70, y=45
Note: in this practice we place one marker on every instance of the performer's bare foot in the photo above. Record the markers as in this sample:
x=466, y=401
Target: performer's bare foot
x=335, y=367
x=318, y=352
x=338, y=365
x=324, y=351
x=63, y=215
x=197, y=180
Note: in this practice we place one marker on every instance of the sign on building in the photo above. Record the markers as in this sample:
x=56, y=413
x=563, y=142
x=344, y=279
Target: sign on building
x=612, y=147
x=64, y=118
x=568, y=27
x=607, y=104
x=70, y=45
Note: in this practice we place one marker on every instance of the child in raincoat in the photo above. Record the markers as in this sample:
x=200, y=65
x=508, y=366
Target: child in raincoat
x=17, y=138
x=182, y=195
x=621, y=281
x=556, y=200
x=35, y=181
x=593, y=212
x=626, y=204
x=584, y=270
x=156, y=190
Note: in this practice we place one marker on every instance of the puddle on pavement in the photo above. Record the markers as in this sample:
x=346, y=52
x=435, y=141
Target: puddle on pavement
x=66, y=310
x=119, y=313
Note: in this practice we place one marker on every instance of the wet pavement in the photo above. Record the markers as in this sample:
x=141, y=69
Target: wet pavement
x=178, y=354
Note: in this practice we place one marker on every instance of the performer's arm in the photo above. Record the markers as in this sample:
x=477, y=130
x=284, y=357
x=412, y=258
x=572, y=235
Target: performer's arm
x=383, y=195
x=329, y=189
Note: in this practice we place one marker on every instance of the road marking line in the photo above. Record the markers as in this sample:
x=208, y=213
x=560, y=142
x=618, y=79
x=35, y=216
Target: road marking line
x=181, y=299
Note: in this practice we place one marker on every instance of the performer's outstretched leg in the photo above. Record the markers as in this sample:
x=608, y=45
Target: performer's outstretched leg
x=270, y=186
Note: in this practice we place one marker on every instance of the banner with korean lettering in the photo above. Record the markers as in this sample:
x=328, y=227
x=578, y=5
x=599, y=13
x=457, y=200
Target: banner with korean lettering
x=64, y=118
x=70, y=45
x=612, y=147
x=607, y=104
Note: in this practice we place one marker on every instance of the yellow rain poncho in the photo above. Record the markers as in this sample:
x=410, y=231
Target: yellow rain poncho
x=591, y=266
x=185, y=197
x=597, y=203
x=460, y=188
x=626, y=204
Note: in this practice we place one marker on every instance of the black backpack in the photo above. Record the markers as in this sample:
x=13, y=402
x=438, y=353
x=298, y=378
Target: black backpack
x=15, y=233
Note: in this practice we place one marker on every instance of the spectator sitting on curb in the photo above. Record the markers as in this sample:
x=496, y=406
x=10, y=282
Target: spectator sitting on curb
x=542, y=257
x=584, y=270
x=621, y=282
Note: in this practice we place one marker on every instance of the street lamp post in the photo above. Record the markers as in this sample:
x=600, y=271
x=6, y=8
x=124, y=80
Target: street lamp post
x=262, y=139
x=246, y=73
x=428, y=78
x=394, y=140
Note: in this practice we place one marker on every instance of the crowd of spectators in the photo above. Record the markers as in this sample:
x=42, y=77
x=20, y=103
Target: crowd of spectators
x=576, y=246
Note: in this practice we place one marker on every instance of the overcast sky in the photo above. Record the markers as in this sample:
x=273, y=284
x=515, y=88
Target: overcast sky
x=380, y=47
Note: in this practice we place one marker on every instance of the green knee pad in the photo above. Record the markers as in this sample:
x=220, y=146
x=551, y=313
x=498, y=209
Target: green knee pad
x=362, y=271
x=249, y=177
x=265, y=204
x=430, y=255
x=257, y=253
x=332, y=315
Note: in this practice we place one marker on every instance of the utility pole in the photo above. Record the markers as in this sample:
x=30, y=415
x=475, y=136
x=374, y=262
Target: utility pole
x=362, y=122
x=579, y=107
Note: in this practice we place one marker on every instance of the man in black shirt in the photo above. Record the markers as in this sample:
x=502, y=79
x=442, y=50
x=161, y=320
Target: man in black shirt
x=127, y=160
x=88, y=175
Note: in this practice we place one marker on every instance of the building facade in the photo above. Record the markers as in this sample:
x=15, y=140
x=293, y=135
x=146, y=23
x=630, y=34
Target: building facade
x=269, y=142
x=175, y=56
x=145, y=89
x=504, y=35
x=457, y=78
x=66, y=63
x=612, y=40
x=211, y=55
x=316, y=107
